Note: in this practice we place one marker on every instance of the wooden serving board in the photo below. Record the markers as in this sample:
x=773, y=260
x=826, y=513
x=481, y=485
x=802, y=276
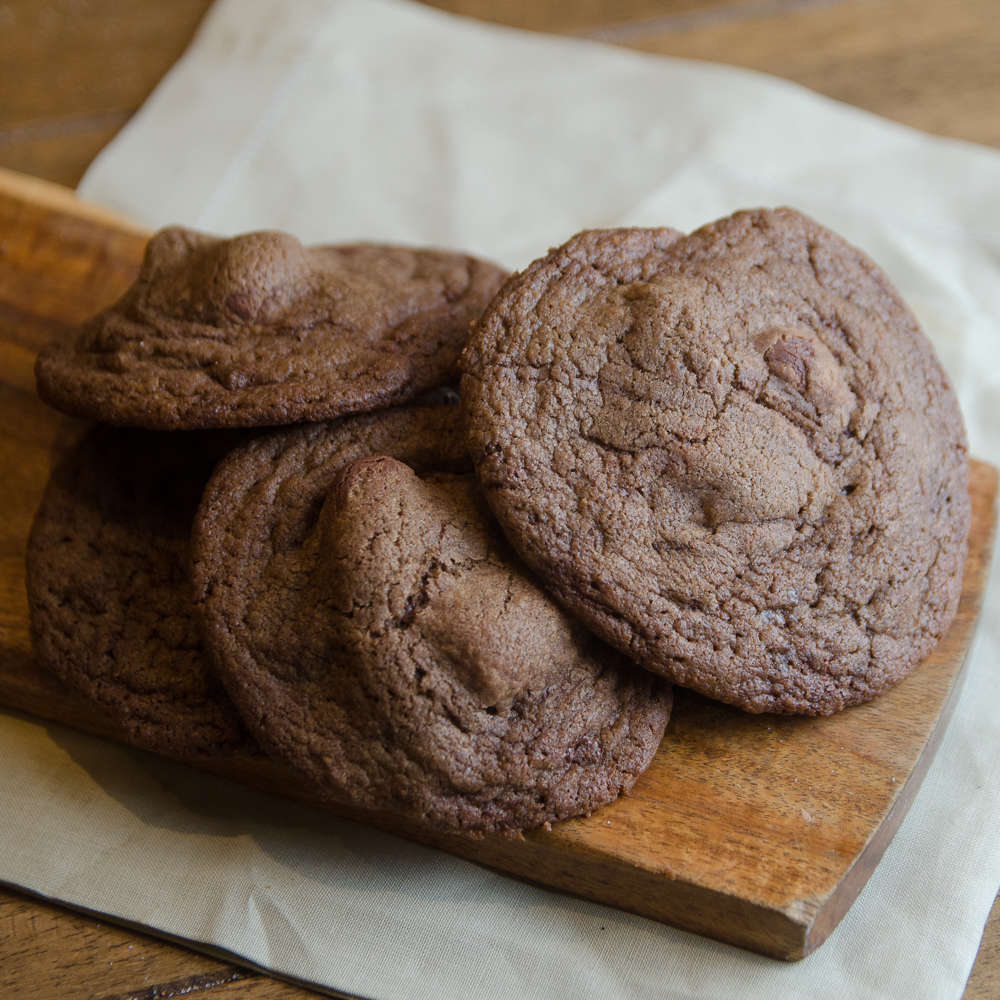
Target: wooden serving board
x=756, y=830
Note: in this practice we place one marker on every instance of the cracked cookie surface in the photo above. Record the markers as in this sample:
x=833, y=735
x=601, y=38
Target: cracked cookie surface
x=379, y=634
x=259, y=330
x=733, y=454
x=109, y=594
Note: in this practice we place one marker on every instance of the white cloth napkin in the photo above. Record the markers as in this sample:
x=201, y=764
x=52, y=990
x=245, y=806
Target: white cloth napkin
x=385, y=120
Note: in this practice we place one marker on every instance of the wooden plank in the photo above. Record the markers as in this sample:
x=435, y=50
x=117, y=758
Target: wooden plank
x=984, y=981
x=71, y=74
x=756, y=830
x=588, y=16
x=62, y=157
x=922, y=62
x=925, y=63
x=60, y=61
x=47, y=952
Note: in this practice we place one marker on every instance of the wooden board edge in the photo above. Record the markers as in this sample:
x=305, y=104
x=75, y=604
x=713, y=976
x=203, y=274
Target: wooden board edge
x=986, y=506
x=46, y=194
x=655, y=896
x=687, y=906
x=788, y=934
x=594, y=878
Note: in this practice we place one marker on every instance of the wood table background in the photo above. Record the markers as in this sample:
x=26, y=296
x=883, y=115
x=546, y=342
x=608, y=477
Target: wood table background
x=72, y=72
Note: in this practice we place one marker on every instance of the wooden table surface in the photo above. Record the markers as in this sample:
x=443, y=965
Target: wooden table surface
x=72, y=73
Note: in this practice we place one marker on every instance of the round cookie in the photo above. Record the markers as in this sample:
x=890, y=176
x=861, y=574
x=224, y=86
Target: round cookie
x=378, y=634
x=259, y=330
x=733, y=454
x=109, y=593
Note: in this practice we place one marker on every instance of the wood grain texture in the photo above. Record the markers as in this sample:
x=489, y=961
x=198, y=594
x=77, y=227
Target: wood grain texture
x=71, y=74
x=46, y=952
x=756, y=830
x=984, y=981
x=587, y=17
x=930, y=63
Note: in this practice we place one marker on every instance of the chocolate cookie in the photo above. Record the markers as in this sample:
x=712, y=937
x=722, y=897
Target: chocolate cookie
x=733, y=454
x=109, y=593
x=379, y=635
x=260, y=330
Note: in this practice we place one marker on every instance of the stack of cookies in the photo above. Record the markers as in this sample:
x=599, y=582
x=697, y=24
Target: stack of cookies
x=729, y=461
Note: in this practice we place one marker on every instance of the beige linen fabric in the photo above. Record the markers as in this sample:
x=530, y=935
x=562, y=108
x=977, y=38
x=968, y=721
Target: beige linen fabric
x=385, y=120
